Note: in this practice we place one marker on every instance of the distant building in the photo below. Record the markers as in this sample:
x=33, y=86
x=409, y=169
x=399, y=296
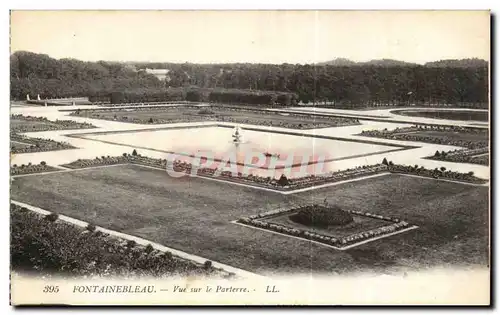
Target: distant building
x=161, y=74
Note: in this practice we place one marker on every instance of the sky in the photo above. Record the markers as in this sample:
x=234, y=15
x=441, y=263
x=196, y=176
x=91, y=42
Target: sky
x=252, y=36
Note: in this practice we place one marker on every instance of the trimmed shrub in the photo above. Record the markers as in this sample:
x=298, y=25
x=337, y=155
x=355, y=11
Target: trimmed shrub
x=207, y=265
x=52, y=217
x=90, y=227
x=322, y=216
x=149, y=248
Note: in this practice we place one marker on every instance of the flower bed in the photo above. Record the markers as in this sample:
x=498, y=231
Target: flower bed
x=287, y=184
x=37, y=144
x=43, y=124
x=338, y=242
x=102, y=104
x=281, y=184
x=405, y=134
x=208, y=113
x=98, y=161
x=30, y=169
x=47, y=246
x=440, y=173
x=475, y=156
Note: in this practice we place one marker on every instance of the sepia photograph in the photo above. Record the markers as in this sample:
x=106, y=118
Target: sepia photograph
x=260, y=157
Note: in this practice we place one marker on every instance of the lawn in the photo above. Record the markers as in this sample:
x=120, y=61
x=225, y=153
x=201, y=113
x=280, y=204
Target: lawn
x=465, y=115
x=194, y=215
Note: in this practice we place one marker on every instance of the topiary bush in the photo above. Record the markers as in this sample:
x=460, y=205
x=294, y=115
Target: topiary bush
x=206, y=111
x=90, y=227
x=207, y=265
x=148, y=249
x=52, y=217
x=321, y=216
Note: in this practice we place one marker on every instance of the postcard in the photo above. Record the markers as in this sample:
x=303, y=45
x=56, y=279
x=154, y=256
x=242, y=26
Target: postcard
x=250, y=157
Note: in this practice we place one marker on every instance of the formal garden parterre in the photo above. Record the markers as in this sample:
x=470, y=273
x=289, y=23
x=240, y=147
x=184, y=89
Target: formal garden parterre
x=186, y=113
x=189, y=215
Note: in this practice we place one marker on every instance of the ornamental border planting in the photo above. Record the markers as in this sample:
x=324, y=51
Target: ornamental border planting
x=340, y=243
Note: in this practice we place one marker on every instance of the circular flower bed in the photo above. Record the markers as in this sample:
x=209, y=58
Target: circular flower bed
x=320, y=216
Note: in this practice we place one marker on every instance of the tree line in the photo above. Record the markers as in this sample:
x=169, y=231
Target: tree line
x=394, y=83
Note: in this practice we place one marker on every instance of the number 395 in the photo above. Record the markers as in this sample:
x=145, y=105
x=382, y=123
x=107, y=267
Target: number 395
x=51, y=289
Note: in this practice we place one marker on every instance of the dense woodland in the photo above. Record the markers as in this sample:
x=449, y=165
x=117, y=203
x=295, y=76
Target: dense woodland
x=340, y=82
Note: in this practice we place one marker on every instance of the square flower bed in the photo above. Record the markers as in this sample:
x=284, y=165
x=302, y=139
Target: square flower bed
x=364, y=227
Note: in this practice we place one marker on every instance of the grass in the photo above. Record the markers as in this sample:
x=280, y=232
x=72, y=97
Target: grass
x=445, y=114
x=193, y=215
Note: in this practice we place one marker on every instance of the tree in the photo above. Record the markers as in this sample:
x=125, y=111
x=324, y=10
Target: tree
x=443, y=168
x=134, y=153
x=384, y=161
x=437, y=154
x=350, y=85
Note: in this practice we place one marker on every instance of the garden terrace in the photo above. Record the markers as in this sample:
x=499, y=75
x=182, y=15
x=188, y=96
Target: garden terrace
x=474, y=156
x=22, y=144
x=177, y=114
x=31, y=168
x=44, y=245
x=471, y=138
x=188, y=215
x=340, y=229
x=20, y=123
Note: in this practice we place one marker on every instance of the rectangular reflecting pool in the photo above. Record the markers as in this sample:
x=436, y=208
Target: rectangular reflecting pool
x=259, y=148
